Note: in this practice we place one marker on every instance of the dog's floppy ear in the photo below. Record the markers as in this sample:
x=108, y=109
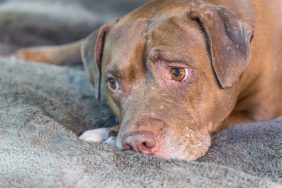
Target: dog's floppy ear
x=92, y=54
x=228, y=40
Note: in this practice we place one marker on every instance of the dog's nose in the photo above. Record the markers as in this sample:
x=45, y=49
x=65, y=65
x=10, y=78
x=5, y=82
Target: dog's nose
x=142, y=142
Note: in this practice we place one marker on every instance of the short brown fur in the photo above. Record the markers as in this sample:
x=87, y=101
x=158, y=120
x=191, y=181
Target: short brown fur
x=180, y=117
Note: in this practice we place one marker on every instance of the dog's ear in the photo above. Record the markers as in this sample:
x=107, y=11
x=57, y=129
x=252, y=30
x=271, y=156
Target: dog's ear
x=228, y=41
x=92, y=54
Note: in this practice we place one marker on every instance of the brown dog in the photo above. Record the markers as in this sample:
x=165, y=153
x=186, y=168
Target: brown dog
x=176, y=71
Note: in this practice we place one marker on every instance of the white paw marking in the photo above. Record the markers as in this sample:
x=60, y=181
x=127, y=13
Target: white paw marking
x=96, y=135
x=111, y=140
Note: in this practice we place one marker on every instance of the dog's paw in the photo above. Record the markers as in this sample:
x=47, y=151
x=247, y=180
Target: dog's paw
x=111, y=140
x=96, y=135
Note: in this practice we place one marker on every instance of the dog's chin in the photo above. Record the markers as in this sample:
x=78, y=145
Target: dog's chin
x=185, y=152
x=181, y=155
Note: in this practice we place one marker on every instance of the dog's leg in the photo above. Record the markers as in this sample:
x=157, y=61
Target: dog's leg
x=107, y=135
x=236, y=119
x=58, y=55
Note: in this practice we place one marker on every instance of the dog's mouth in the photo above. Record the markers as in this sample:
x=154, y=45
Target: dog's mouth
x=190, y=147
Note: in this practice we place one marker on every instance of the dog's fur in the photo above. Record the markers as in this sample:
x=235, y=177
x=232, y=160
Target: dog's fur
x=231, y=50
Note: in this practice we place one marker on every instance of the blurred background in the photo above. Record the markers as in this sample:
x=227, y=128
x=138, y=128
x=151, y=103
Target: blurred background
x=25, y=23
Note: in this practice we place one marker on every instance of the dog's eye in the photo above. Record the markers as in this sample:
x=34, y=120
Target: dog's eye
x=179, y=74
x=113, y=84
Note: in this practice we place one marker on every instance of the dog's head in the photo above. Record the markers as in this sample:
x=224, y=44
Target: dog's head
x=170, y=73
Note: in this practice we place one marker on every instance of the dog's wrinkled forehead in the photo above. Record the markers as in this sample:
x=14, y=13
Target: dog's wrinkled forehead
x=137, y=41
x=125, y=41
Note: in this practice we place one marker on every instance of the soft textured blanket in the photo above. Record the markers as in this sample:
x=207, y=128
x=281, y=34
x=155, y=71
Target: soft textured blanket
x=37, y=102
x=43, y=106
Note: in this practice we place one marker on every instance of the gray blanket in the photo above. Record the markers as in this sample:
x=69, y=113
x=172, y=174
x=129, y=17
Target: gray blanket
x=43, y=108
x=38, y=102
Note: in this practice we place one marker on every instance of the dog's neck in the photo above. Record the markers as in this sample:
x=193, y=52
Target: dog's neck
x=260, y=76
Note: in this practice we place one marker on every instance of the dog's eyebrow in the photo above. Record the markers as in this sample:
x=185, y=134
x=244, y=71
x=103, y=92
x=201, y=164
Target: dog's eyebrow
x=170, y=56
x=115, y=72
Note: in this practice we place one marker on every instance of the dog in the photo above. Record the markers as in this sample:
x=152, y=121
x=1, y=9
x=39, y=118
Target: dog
x=175, y=72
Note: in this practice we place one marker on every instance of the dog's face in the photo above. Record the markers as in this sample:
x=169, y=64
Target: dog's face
x=161, y=82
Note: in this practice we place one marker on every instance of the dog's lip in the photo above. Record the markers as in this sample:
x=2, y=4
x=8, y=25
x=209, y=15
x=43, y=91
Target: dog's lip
x=170, y=155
